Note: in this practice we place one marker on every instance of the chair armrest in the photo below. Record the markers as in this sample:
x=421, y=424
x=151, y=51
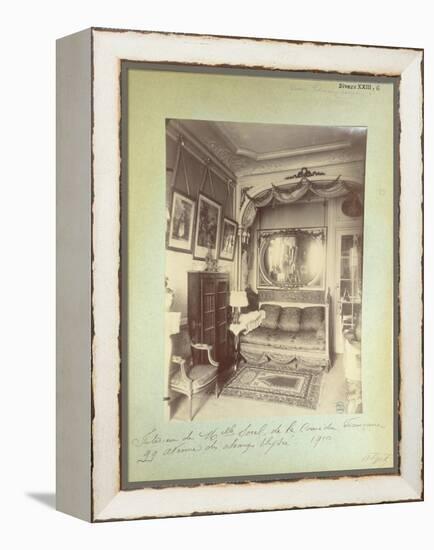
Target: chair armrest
x=208, y=348
x=201, y=346
x=182, y=363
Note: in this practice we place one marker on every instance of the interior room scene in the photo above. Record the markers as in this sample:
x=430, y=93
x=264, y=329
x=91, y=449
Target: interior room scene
x=264, y=258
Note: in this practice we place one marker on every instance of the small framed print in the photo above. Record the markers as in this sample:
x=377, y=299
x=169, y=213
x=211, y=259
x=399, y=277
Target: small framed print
x=228, y=239
x=208, y=220
x=321, y=402
x=181, y=223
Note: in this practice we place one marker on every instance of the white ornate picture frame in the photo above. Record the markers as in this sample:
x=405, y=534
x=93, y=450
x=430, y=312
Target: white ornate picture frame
x=89, y=377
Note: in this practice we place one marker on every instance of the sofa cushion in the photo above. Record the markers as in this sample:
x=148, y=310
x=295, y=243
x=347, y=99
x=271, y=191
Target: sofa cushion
x=272, y=313
x=289, y=319
x=282, y=339
x=311, y=318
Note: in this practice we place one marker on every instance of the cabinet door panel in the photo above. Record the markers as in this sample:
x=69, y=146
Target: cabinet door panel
x=210, y=294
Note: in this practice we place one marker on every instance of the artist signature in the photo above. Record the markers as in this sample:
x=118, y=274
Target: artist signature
x=377, y=459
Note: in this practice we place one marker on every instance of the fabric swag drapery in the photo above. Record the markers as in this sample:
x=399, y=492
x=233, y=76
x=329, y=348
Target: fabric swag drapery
x=326, y=189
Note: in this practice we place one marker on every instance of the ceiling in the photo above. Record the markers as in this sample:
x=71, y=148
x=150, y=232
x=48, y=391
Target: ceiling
x=267, y=138
x=251, y=148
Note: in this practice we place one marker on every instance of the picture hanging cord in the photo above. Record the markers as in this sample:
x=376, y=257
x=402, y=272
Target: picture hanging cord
x=180, y=159
x=206, y=177
x=228, y=190
x=185, y=168
x=175, y=168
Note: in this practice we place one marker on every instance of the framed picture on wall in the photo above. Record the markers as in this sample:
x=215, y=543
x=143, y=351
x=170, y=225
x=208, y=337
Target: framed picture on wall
x=208, y=223
x=181, y=223
x=228, y=241
x=295, y=423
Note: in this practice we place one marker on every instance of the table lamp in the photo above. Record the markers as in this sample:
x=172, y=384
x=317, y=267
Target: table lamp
x=237, y=300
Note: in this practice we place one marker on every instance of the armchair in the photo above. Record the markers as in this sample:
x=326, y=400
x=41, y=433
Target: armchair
x=191, y=379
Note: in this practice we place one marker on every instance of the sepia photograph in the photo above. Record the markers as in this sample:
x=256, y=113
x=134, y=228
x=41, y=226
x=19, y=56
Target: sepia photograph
x=274, y=330
x=277, y=327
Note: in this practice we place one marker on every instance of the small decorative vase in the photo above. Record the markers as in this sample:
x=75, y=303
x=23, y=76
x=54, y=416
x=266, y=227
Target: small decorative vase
x=351, y=206
x=209, y=261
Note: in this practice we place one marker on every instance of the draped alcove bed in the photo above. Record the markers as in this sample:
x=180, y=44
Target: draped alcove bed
x=297, y=326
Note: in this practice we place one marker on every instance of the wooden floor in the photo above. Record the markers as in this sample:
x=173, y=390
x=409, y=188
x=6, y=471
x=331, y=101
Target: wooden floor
x=207, y=407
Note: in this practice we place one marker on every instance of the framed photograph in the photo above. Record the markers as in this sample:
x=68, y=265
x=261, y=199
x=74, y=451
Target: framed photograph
x=182, y=215
x=228, y=240
x=299, y=163
x=208, y=223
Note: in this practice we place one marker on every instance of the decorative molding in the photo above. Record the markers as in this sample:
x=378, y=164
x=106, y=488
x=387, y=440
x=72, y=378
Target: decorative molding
x=291, y=295
x=279, y=153
x=341, y=166
x=305, y=173
x=244, y=167
x=200, y=151
x=229, y=158
x=225, y=136
x=296, y=152
x=243, y=162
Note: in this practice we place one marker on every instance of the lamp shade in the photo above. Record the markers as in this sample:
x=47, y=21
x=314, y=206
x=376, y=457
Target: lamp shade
x=238, y=298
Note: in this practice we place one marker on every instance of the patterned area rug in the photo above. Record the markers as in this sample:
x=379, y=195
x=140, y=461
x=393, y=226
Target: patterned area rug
x=299, y=386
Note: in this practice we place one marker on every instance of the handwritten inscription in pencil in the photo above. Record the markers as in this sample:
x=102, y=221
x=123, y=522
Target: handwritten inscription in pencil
x=245, y=438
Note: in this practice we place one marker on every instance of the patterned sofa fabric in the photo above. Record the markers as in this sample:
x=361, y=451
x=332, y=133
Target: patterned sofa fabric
x=282, y=339
x=272, y=313
x=288, y=333
x=312, y=318
x=289, y=319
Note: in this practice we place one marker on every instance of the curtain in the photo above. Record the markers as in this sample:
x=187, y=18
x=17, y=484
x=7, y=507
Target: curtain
x=326, y=189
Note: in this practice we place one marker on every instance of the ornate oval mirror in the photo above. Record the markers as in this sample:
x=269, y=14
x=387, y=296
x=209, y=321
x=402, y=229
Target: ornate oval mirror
x=292, y=258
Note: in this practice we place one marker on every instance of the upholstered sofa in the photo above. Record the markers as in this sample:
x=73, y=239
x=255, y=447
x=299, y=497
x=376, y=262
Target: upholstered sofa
x=290, y=333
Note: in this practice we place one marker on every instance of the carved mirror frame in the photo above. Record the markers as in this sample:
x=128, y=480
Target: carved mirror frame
x=264, y=238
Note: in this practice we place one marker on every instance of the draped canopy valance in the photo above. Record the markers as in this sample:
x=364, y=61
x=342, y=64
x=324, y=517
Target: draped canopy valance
x=326, y=189
x=287, y=193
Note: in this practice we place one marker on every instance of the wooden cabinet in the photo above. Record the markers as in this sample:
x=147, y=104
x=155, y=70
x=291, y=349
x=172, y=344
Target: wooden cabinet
x=208, y=303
